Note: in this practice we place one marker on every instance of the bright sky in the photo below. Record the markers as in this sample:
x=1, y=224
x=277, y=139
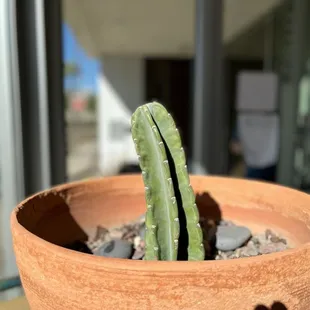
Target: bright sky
x=90, y=67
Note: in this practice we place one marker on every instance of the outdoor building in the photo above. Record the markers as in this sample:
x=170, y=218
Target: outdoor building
x=147, y=52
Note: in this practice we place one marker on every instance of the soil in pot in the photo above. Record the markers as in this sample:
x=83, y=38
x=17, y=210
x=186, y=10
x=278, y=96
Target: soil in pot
x=223, y=240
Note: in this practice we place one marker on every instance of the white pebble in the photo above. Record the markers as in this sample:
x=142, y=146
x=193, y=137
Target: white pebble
x=137, y=241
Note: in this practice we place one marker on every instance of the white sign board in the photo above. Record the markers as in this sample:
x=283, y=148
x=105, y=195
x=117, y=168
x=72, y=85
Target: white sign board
x=257, y=91
x=259, y=136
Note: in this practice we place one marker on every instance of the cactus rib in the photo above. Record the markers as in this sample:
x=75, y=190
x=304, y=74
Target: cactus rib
x=171, y=136
x=162, y=227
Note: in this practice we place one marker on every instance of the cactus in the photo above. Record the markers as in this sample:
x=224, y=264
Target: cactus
x=172, y=219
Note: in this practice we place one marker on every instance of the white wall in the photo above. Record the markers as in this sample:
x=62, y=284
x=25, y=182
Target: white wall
x=120, y=92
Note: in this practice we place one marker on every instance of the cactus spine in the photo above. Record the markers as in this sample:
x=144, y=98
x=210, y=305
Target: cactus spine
x=172, y=218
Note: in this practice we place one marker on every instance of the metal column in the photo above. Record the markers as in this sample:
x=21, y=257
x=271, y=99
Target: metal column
x=32, y=145
x=40, y=58
x=210, y=125
x=11, y=149
x=288, y=108
x=54, y=62
x=34, y=97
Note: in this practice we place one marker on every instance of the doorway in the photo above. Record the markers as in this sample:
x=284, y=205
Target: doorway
x=169, y=82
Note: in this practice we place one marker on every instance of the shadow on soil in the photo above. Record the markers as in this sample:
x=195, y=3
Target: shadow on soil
x=208, y=208
x=275, y=306
x=210, y=216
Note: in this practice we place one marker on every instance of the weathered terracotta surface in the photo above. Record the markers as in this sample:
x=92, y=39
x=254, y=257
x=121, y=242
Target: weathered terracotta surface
x=58, y=279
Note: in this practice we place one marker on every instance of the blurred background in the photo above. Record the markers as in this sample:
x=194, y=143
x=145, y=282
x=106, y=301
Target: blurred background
x=235, y=75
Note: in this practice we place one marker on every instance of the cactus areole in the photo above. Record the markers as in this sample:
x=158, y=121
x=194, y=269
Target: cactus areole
x=172, y=224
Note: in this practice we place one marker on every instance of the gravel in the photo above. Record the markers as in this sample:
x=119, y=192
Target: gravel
x=263, y=243
x=223, y=240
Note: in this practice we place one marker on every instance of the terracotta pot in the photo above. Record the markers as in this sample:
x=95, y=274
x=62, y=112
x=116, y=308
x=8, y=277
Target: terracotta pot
x=55, y=278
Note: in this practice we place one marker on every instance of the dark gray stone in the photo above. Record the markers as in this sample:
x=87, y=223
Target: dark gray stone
x=142, y=232
x=115, y=248
x=229, y=238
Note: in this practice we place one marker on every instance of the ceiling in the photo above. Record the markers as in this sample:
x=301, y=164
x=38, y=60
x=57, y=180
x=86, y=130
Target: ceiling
x=162, y=27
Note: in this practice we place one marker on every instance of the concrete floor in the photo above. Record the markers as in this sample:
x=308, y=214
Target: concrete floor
x=78, y=134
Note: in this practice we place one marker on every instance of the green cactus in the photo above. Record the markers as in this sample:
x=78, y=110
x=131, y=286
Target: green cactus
x=172, y=219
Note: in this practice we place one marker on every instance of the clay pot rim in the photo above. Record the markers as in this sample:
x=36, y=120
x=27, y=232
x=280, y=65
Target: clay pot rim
x=148, y=266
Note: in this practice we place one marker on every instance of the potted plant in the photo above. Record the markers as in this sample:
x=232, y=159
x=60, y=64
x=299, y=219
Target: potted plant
x=193, y=245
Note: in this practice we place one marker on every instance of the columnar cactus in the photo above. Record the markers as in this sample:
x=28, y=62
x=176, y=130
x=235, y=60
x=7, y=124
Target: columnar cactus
x=172, y=224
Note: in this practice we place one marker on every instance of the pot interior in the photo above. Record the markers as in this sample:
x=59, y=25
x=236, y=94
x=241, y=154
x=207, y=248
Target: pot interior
x=73, y=212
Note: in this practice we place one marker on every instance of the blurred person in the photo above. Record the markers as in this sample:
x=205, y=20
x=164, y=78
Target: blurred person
x=255, y=156
x=236, y=164
x=235, y=144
